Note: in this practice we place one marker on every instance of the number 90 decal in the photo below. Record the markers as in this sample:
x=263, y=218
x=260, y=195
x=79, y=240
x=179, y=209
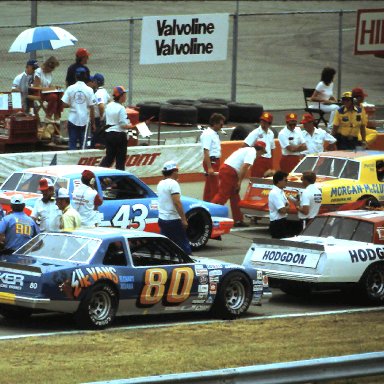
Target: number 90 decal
x=124, y=218
x=155, y=280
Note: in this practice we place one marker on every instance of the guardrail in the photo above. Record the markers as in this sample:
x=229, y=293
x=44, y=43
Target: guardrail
x=304, y=371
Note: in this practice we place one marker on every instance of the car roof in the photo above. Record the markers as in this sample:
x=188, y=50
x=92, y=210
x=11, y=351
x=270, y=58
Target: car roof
x=355, y=155
x=375, y=216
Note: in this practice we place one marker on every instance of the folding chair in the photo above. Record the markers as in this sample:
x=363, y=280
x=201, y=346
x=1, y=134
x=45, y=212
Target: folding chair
x=308, y=92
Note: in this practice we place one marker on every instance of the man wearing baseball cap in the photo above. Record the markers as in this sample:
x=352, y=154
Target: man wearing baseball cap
x=262, y=133
x=45, y=211
x=292, y=143
x=82, y=56
x=315, y=138
x=349, y=121
x=172, y=220
x=17, y=227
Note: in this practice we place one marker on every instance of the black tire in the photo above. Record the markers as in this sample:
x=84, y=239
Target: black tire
x=241, y=131
x=98, y=308
x=233, y=297
x=182, y=102
x=205, y=111
x=149, y=109
x=370, y=201
x=295, y=288
x=212, y=100
x=371, y=285
x=245, y=113
x=182, y=114
x=199, y=227
x=15, y=314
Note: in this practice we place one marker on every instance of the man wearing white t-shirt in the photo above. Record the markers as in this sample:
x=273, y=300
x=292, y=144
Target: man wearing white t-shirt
x=262, y=133
x=172, y=220
x=80, y=99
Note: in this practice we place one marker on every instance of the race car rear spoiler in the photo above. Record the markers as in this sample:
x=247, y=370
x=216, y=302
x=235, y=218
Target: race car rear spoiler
x=288, y=243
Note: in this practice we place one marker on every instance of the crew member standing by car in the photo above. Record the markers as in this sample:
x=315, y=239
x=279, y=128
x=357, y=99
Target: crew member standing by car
x=45, y=210
x=172, y=220
x=82, y=56
x=292, y=144
x=263, y=133
x=70, y=218
x=86, y=200
x=17, y=227
x=210, y=141
x=278, y=206
x=349, y=121
x=231, y=175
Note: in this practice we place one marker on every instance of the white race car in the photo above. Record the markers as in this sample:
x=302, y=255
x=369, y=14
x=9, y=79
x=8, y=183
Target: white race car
x=343, y=249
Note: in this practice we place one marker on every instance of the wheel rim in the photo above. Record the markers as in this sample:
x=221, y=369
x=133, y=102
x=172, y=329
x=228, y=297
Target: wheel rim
x=235, y=295
x=100, y=306
x=375, y=284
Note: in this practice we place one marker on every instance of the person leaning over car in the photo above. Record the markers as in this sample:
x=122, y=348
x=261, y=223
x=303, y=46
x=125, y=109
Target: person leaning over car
x=349, y=121
x=172, y=220
x=278, y=206
x=17, y=227
x=70, y=218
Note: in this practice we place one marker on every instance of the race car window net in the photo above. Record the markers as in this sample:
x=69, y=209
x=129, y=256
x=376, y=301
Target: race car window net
x=61, y=247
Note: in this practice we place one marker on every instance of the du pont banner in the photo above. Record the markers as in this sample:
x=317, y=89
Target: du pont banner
x=186, y=38
x=141, y=161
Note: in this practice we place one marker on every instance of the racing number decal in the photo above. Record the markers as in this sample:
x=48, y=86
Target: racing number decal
x=154, y=285
x=23, y=229
x=124, y=219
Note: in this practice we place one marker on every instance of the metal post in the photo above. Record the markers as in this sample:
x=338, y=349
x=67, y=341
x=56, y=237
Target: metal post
x=130, y=64
x=32, y=54
x=340, y=58
x=235, y=35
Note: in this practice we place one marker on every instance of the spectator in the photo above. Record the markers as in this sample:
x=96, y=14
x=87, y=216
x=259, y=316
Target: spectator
x=323, y=94
x=45, y=211
x=231, y=175
x=211, y=144
x=23, y=81
x=82, y=56
x=43, y=81
x=70, y=218
x=292, y=143
x=117, y=124
x=172, y=220
x=278, y=206
x=348, y=123
x=86, y=200
x=314, y=137
x=80, y=99
x=263, y=133
x=17, y=227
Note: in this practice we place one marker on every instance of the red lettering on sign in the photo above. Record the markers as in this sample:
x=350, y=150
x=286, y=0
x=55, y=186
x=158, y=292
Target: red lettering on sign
x=89, y=160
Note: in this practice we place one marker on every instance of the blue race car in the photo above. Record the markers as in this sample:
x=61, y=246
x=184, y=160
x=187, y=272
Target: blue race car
x=128, y=202
x=99, y=273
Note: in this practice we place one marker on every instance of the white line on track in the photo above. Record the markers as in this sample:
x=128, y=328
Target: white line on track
x=133, y=328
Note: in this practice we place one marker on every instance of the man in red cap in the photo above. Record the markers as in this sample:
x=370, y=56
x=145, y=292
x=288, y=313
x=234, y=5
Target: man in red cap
x=86, y=200
x=291, y=142
x=264, y=134
x=315, y=138
x=82, y=56
x=45, y=211
x=360, y=95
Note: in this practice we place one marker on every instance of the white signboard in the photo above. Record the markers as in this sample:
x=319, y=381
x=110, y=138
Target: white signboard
x=185, y=38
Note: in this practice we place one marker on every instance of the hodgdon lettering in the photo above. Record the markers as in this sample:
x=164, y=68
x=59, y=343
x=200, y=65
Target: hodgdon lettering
x=286, y=257
x=358, y=255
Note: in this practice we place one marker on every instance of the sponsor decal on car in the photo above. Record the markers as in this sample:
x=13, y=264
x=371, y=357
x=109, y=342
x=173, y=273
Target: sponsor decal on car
x=368, y=254
x=216, y=272
x=11, y=281
x=203, y=279
x=203, y=288
x=213, y=288
x=291, y=258
x=200, y=270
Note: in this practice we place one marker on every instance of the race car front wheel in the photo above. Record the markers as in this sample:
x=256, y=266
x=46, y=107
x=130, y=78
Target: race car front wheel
x=233, y=297
x=98, y=309
x=199, y=227
x=372, y=284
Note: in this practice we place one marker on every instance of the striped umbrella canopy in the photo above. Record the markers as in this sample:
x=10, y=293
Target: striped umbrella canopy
x=40, y=38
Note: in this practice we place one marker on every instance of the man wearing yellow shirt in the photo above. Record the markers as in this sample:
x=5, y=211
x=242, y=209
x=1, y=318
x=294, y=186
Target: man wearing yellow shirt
x=349, y=121
x=70, y=218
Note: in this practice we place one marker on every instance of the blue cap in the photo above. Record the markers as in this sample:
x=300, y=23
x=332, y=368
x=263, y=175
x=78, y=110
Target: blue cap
x=33, y=63
x=98, y=78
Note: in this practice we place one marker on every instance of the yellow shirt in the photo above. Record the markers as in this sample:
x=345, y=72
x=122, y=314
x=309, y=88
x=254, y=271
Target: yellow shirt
x=70, y=219
x=349, y=122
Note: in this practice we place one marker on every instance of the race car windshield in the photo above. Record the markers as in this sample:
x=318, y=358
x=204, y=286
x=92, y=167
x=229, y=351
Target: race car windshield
x=27, y=182
x=61, y=247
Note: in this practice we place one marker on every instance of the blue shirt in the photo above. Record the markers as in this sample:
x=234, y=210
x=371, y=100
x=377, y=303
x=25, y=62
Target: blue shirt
x=18, y=228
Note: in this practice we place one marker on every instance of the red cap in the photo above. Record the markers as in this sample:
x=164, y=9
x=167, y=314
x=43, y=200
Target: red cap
x=260, y=144
x=307, y=118
x=266, y=116
x=82, y=52
x=290, y=117
x=88, y=175
x=45, y=184
x=358, y=92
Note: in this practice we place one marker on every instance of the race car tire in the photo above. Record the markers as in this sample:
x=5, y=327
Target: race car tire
x=182, y=102
x=370, y=201
x=241, y=131
x=213, y=100
x=181, y=114
x=14, y=314
x=199, y=227
x=372, y=284
x=245, y=113
x=98, y=308
x=233, y=297
x=205, y=111
x=149, y=109
x=297, y=289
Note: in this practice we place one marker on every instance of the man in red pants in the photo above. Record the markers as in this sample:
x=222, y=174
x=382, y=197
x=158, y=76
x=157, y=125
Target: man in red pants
x=231, y=174
x=210, y=141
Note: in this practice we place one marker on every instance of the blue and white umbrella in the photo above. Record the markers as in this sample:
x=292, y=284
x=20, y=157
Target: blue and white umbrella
x=40, y=38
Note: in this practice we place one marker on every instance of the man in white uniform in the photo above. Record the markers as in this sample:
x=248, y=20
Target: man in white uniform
x=80, y=99
x=315, y=138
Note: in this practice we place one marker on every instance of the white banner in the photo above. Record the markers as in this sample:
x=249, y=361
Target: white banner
x=185, y=38
x=144, y=161
x=369, y=31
